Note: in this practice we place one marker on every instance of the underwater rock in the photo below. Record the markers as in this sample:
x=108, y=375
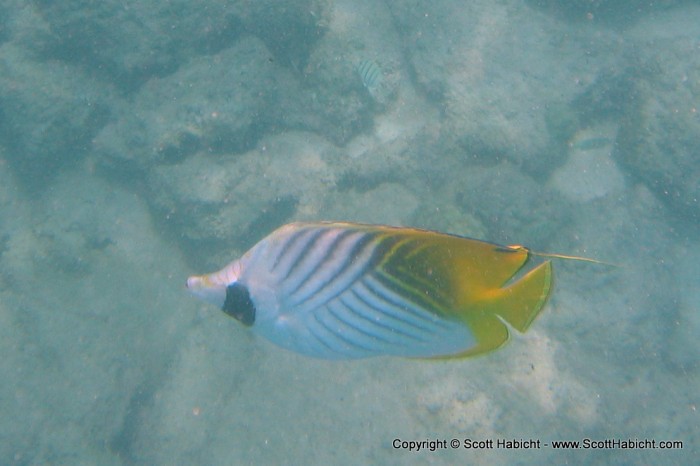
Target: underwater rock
x=388, y=202
x=614, y=13
x=336, y=102
x=188, y=398
x=590, y=171
x=450, y=219
x=683, y=351
x=459, y=406
x=213, y=202
x=50, y=113
x=525, y=206
x=81, y=351
x=289, y=29
x=658, y=140
x=214, y=103
x=127, y=44
x=492, y=68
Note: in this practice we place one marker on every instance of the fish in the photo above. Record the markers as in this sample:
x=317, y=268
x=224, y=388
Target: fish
x=371, y=76
x=336, y=290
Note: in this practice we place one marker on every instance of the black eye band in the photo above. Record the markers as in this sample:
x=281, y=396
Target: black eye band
x=239, y=305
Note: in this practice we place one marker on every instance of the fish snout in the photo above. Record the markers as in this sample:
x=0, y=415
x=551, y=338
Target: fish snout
x=195, y=282
x=202, y=287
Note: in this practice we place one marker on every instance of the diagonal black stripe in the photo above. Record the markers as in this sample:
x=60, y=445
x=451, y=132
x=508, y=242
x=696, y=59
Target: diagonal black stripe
x=396, y=318
x=336, y=334
x=322, y=340
x=357, y=251
x=326, y=256
x=303, y=251
x=407, y=306
x=289, y=245
x=337, y=315
x=377, y=323
x=411, y=292
x=406, y=272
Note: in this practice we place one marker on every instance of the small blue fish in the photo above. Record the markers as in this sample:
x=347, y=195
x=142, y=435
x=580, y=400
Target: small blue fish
x=342, y=290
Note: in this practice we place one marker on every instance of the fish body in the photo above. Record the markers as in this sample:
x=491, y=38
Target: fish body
x=343, y=290
x=371, y=76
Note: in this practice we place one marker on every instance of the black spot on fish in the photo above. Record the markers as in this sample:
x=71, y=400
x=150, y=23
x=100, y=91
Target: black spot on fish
x=239, y=305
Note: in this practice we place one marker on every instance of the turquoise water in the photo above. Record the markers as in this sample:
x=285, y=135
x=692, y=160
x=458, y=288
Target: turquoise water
x=143, y=142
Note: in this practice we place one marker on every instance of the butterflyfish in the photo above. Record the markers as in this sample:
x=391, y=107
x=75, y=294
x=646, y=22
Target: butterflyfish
x=343, y=291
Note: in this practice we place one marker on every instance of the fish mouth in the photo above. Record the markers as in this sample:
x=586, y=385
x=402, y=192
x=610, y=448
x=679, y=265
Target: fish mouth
x=197, y=282
x=203, y=287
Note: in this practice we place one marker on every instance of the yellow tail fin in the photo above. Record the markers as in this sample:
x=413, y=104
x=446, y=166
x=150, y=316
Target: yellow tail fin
x=519, y=303
x=516, y=305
